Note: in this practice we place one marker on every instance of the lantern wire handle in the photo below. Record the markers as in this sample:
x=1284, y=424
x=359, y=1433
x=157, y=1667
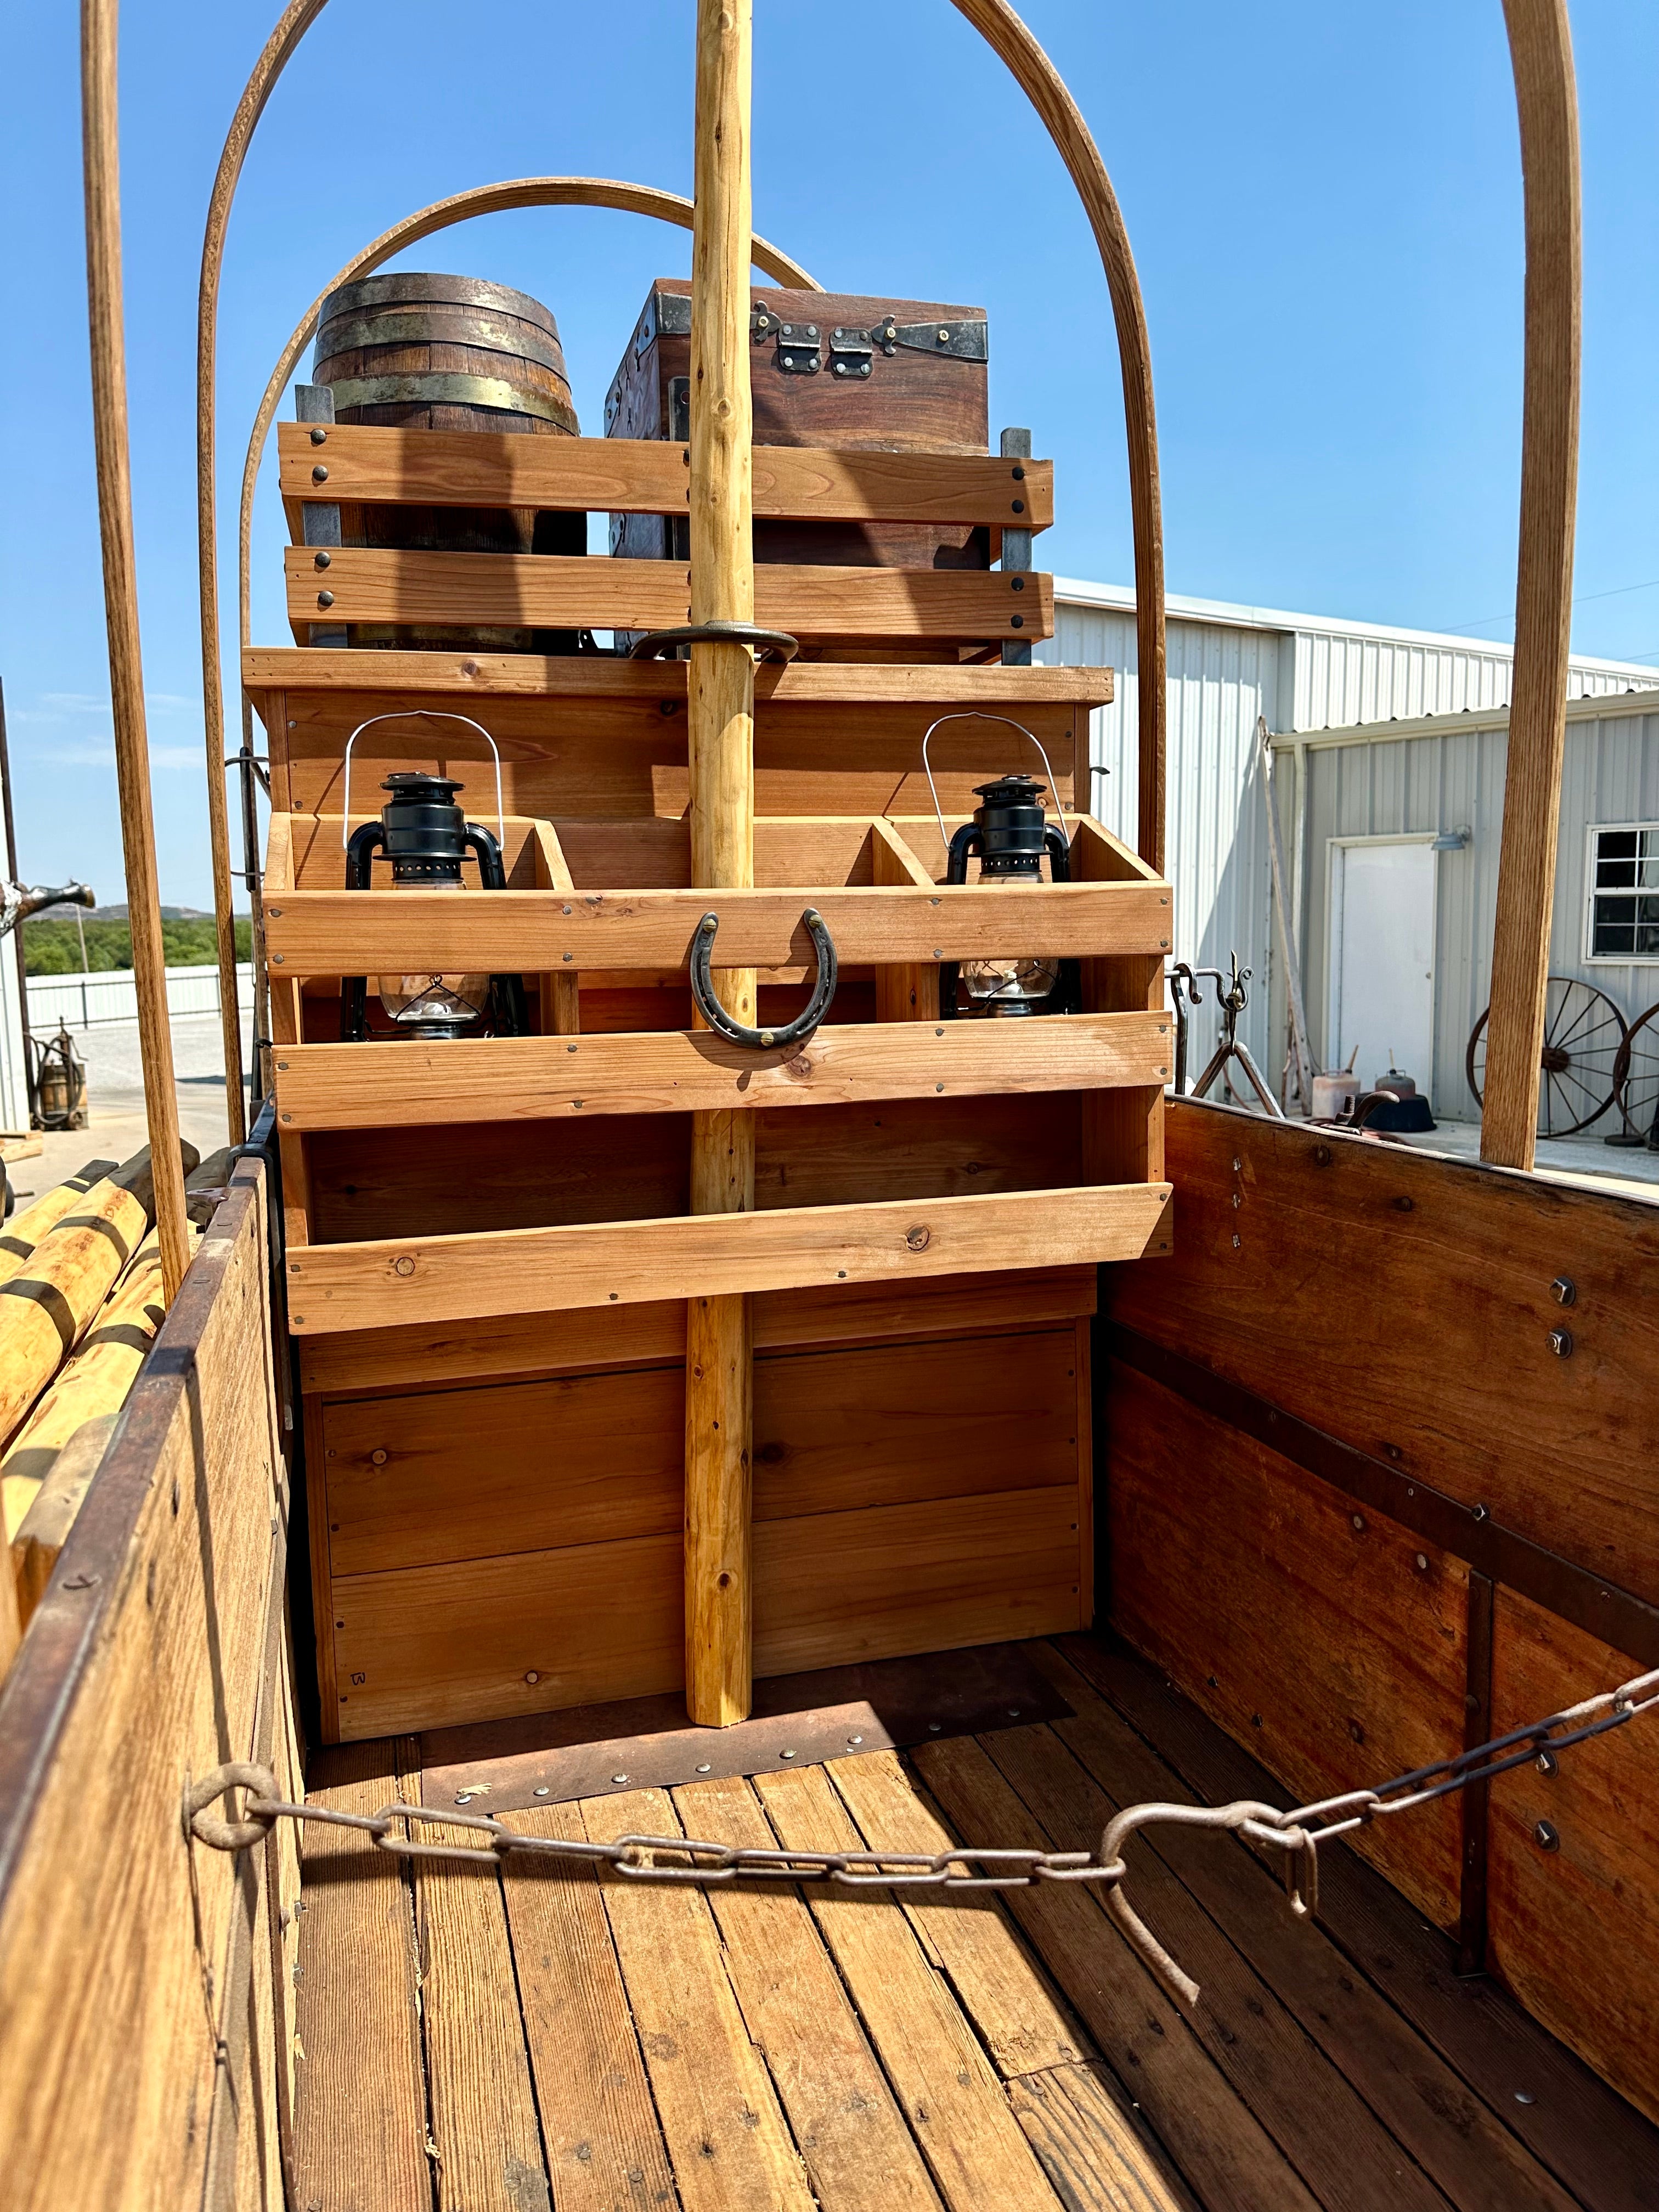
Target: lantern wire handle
x=432, y=714
x=973, y=715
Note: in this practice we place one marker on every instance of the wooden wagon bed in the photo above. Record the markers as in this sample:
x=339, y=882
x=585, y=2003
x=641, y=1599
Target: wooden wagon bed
x=471, y=2040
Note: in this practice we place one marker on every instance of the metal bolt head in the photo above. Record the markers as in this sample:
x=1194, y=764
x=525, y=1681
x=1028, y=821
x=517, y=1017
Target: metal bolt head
x=1525, y=2097
x=854, y=1739
x=541, y=1790
x=1422, y=1563
x=322, y=560
x=1564, y=1290
x=1546, y=1836
x=532, y=1677
x=319, y=437
x=1547, y=1763
x=325, y=599
x=319, y=474
x=1560, y=1342
x=706, y=1768
x=785, y=1754
x=934, y=1727
x=619, y=1779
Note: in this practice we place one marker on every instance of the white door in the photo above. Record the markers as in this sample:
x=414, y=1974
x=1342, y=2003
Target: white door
x=1381, y=967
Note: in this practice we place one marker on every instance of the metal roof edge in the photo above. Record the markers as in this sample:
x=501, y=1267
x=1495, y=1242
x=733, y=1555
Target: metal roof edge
x=1605, y=707
x=1073, y=591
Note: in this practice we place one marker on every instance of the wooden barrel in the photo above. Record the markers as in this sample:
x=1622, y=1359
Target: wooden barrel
x=449, y=353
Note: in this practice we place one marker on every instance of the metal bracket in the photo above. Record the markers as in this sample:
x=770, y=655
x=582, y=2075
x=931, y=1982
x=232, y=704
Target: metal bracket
x=797, y=349
x=736, y=1032
x=850, y=353
x=961, y=341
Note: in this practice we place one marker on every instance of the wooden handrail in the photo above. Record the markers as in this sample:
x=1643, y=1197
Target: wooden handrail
x=1540, y=51
x=1043, y=86
x=99, y=26
x=293, y=24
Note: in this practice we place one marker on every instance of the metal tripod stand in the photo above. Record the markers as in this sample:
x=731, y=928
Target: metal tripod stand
x=1184, y=989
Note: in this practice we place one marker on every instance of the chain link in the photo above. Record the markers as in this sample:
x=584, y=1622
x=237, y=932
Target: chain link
x=1298, y=1834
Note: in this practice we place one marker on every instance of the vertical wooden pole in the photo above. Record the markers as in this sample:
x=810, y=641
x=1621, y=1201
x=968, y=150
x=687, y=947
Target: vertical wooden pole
x=1540, y=49
x=721, y=738
x=101, y=155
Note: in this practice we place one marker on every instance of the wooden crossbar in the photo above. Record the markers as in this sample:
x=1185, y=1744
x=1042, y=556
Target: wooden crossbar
x=538, y=933
x=560, y=592
x=641, y=475
x=395, y=1281
x=403, y=1082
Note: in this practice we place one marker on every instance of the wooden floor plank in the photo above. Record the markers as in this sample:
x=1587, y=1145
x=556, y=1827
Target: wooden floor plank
x=946, y=2086
x=1421, y=2100
x=861, y=2156
x=1019, y=2018
x=1225, y=2153
x=1073, y=2119
x=484, y=2122
x=1324, y=2127
x=605, y=2149
x=1600, y=2148
x=360, y=2093
x=729, y=2148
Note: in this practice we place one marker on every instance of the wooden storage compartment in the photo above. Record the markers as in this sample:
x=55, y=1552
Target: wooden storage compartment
x=515, y=1547
x=910, y=398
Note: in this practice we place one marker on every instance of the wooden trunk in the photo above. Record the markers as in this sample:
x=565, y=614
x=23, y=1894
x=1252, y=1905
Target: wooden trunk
x=449, y=353
x=905, y=400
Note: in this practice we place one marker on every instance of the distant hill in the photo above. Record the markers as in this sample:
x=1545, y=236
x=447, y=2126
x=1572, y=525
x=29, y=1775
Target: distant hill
x=51, y=942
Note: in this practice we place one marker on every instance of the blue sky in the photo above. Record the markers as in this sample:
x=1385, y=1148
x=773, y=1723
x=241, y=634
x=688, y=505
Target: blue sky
x=1324, y=202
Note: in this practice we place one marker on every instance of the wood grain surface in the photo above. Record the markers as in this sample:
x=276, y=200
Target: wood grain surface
x=438, y=468
x=420, y=1279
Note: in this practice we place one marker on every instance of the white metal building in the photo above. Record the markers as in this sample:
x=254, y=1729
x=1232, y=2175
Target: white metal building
x=1389, y=736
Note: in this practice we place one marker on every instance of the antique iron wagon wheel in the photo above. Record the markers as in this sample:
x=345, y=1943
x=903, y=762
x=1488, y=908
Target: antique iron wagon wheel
x=1636, y=1072
x=1584, y=1036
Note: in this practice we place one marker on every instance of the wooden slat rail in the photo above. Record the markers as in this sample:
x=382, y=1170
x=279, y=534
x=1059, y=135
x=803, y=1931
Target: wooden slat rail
x=558, y=591
x=278, y=671
x=403, y=1082
x=537, y=933
x=396, y=1281
x=640, y=475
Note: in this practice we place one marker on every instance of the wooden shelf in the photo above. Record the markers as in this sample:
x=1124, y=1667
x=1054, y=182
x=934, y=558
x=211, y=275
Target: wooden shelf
x=367, y=583
x=579, y=929
x=405, y=1082
x=639, y=476
x=396, y=1281
x=294, y=670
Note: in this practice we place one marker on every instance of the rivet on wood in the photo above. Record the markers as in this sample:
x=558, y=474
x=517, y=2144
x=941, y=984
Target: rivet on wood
x=1547, y=1837
x=319, y=437
x=1564, y=1290
x=319, y=474
x=323, y=561
x=1561, y=1343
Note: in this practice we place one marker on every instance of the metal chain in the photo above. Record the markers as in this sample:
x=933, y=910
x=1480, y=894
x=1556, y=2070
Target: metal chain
x=635, y=1857
x=1297, y=1833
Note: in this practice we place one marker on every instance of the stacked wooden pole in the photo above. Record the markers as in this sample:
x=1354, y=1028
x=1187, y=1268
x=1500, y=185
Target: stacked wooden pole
x=721, y=737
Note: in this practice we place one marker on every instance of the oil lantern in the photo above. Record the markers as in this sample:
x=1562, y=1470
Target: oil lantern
x=426, y=837
x=1010, y=832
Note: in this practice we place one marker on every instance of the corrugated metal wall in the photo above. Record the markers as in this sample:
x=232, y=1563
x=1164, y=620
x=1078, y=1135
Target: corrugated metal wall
x=1393, y=788
x=1311, y=676
x=1344, y=677
x=1220, y=678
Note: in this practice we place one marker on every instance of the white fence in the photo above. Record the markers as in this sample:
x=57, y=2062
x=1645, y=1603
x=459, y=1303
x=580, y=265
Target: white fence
x=84, y=1002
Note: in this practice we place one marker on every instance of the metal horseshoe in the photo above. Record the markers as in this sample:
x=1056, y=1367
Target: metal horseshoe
x=736, y=1032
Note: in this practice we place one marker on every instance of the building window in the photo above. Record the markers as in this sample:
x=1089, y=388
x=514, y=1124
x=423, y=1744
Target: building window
x=1624, y=899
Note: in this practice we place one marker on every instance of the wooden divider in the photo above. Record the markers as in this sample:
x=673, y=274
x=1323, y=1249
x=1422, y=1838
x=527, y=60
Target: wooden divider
x=415, y=1280
x=643, y=476
x=1370, y=1385
x=370, y=584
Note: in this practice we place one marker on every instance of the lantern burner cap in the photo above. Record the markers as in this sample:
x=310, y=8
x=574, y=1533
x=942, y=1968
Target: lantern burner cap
x=414, y=786
x=1018, y=790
